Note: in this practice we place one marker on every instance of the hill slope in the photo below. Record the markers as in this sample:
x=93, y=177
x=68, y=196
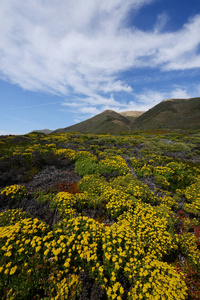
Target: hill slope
x=172, y=114
x=131, y=115
x=108, y=121
x=168, y=114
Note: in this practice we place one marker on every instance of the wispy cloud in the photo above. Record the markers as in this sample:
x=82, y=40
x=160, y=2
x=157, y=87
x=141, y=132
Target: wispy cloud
x=21, y=120
x=36, y=105
x=81, y=47
x=3, y=132
x=162, y=20
x=141, y=101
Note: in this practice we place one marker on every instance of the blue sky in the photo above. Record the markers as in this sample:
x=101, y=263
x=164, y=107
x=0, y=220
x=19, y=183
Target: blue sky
x=63, y=61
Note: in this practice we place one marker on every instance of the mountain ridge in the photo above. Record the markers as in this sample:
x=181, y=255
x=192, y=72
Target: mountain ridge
x=105, y=122
x=175, y=113
x=172, y=114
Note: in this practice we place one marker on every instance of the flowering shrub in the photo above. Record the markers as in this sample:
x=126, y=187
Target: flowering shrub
x=93, y=184
x=65, y=202
x=68, y=153
x=188, y=247
x=154, y=236
x=84, y=155
x=76, y=244
x=131, y=245
x=135, y=163
x=118, y=202
x=86, y=163
x=169, y=201
x=154, y=280
x=141, y=191
x=15, y=192
x=22, y=266
x=12, y=216
x=192, y=194
x=113, y=164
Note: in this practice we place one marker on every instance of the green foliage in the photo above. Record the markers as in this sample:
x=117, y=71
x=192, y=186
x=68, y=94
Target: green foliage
x=130, y=238
x=86, y=163
x=159, y=147
x=85, y=167
x=92, y=184
x=113, y=165
x=44, y=198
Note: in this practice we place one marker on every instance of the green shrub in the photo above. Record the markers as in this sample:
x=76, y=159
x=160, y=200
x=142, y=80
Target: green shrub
x=85, y=167
x=113, y=165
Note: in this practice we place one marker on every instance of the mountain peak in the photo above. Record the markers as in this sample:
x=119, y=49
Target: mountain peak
x=108, y=110
x=176, y=99
x=108, y=121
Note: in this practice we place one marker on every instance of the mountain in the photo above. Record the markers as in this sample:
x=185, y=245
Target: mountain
x=168, y=114
x=108, y=121
x=46, y=131
x=131, y=115
x=171, y=114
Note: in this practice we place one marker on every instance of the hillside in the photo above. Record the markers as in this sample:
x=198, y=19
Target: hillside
x=108, y=121
x=168, y=114
x=172, y=114
x=131, y=115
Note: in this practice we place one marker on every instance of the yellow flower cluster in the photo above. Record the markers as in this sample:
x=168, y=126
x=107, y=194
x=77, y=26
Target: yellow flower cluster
x=154, y=280
x=113, y=164
x=118, y=202
x=146, y=170
x=135, y=163
x=12, y=216
x=192, y=194
x=84, y=155
x=21, y=246
x=151, y=229
x=68, y=153
x=93, y=184
x=76, y=243
x=169, y=201
x=168, y=174
x=68, y=288
x=15, y=192
x=188, y=246
x=65, y=203
x=141, y=191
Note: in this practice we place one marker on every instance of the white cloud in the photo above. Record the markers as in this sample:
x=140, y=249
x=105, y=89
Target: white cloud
x=80, y=47
x=93, y=100
x=180, y=93
x=162, y=20
x=57, y=45
x=88, y=107
x=180, y=49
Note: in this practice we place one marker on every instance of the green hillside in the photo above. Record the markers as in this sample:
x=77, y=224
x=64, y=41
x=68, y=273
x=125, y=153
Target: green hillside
x=106, y=122
x=168, y=114
x=171, y=114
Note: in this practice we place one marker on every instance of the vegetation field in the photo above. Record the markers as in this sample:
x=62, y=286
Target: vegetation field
x=100, y=216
